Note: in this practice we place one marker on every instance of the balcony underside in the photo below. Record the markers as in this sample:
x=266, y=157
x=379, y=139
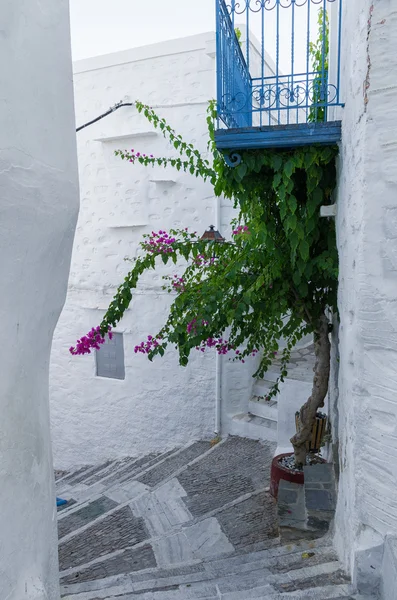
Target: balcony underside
x=278, y=136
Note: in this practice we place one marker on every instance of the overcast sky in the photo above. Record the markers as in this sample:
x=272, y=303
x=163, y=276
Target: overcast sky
x=102, y=26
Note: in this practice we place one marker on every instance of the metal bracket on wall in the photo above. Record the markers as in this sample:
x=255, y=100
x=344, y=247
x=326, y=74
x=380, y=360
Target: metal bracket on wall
x=328, y=211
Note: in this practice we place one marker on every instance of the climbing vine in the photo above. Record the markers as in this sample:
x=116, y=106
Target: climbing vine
x=274, y=280
x=319, y=54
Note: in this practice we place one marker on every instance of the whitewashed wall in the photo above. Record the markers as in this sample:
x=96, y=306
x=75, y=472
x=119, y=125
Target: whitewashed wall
x=159, y=405
x=38, y=213
x=367, y=240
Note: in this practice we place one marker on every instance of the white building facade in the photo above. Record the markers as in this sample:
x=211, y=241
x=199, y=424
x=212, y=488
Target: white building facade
x=365, y=402
x=38, y=213
x=160, y=405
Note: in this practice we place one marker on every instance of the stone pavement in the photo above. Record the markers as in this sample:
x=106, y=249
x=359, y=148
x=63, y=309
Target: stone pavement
x=195, y=522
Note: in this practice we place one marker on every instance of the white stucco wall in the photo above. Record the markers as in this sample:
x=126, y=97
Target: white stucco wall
x=367, y=240
x=159, y=405
x=38, y=211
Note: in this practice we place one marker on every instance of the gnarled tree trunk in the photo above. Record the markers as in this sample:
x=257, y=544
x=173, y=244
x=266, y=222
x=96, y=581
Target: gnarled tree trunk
x=309, y=410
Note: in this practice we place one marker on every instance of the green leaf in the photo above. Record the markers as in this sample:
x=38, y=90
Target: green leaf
x=309, y=159
x=259, y=282
x=249, y=160
x=318, y=195
x=303, y=289
x=300, y=231
x=293, y=240
x=304, y=250
x=296, y=277
x=291, y=222
x=164, y=258
x=276, y=180
x=240, y=309
x=277, y=162
x=292, y=203
x=242, y=170
x=283, y=211
x=289, y=168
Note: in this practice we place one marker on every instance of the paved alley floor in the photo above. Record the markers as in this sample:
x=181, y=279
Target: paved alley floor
x=194, y=522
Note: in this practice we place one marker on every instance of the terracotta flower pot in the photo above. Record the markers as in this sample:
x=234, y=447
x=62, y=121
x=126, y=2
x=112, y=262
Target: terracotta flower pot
x=279, y=472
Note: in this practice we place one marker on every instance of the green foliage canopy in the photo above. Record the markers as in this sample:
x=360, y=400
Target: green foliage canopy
x=274, y=280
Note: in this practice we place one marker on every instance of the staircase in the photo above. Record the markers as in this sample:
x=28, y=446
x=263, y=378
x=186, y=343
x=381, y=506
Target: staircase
x=194, y=522
x=260, y=422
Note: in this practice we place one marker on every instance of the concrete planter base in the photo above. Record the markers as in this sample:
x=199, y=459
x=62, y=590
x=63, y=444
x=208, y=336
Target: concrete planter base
x=279, y=472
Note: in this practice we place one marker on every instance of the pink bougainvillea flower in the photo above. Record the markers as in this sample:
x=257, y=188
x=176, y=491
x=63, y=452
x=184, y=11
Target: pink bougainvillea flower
x=241, y=229
x=91, y=341
x=159, y=243
x=148, y=346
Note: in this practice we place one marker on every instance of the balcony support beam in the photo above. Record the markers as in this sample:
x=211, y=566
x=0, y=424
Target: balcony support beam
x=278, y=136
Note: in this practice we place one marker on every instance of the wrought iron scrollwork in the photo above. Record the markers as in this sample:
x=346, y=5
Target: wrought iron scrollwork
x=292, y=96
x=236, y=102
x=239, y=7
x=269, y=95
x=273, y=98
x=322, y=93
x=232, y=160
x=265, y=96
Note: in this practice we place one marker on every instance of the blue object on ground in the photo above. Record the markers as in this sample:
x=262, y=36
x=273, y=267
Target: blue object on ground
x=61, y=502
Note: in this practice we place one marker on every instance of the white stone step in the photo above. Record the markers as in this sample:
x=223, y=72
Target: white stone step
x=264, y=409
x=262, y=386
x=277, y=558
x=324, y=593
x=243, y=589
x=253, y=427
x=178, y=595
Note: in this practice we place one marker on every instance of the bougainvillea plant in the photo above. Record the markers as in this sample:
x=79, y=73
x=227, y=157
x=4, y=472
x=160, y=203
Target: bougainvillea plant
x=276, y=279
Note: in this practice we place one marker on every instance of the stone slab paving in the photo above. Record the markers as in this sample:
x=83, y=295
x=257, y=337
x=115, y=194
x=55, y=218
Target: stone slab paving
x=195, y=522
x=71, y=477
x=129, y=561
x=92, y=471
x=117, y=531
x=163, y=509
x=70, y=503
x=109, y=469
x=131, y=469
x=173, y=463
x=82, y=517
x=250, y=522
x=238, y=467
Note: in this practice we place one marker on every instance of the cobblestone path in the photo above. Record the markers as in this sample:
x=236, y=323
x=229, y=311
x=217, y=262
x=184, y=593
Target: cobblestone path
x=196, y=522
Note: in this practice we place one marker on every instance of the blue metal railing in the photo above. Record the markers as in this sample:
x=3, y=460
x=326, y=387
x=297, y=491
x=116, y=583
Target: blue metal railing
x=278, y=61
x=233, y=78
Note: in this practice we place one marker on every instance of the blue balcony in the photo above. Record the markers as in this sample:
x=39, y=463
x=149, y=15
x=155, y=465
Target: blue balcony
x=278, y=73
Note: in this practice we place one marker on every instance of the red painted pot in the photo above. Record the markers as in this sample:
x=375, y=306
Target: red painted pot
x=279, y=472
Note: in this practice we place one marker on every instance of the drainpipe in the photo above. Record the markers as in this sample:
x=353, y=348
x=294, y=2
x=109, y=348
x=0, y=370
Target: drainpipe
x=218, y=357
x=218, y=392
